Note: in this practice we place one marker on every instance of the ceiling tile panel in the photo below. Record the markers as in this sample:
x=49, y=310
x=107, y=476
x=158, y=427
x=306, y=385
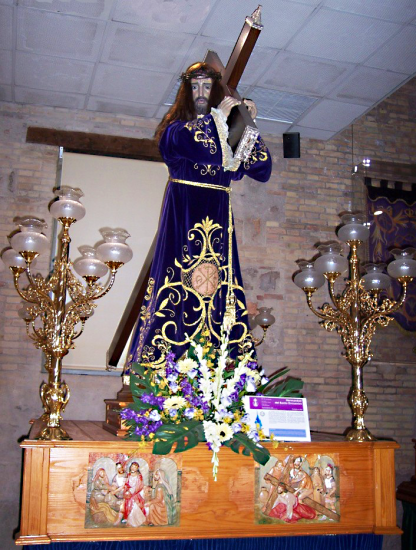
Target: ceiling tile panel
x=122, y=107
x=312, y=133
x=331, y=115
x=342, y=36
x=154, y=50
x=399, y=54
x=281, y=19
x=51, y=99
x=52, y=73
x=366, y=86
x=303, y=74
x=6, y=25
x=173, y=15
x=6, y=93
x=59, y=35
x=399, y=11
x=96, y=8
x=271, y=127
x=130, y=84
x=5, y=67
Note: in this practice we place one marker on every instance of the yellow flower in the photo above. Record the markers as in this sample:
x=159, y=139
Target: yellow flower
x=186, y=365
x=174, y=402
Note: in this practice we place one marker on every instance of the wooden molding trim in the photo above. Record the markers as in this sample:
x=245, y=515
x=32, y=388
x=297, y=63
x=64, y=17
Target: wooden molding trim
x=96, y=144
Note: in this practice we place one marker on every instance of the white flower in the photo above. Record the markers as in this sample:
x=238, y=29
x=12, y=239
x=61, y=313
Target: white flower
x=224, y=431
x=174, y=402
x=187, y=365
x=154, y=416
x=250, y=385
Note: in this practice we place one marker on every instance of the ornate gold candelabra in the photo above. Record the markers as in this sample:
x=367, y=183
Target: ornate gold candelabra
x=356, y=312
x=53, y=321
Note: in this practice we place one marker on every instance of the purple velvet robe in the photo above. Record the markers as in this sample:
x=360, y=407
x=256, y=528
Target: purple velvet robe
x=189, y=275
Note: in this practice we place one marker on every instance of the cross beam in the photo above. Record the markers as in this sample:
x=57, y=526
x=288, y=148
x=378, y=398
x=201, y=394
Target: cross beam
x=243, y=131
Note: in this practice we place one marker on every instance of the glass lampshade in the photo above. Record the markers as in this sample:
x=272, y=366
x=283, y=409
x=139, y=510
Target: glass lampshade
x=11, y=258
x=375, y=279
x=89, y=265
x=308, y=277
x=114, y=249
x=331, y=260
x=24, y=313
x=264, y=318
x=68, y=204
x=404, y=265
x=353, y=228
x=30, y=237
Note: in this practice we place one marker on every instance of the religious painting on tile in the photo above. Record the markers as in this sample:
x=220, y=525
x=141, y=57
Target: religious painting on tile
x=297, y=489
x=124, y=491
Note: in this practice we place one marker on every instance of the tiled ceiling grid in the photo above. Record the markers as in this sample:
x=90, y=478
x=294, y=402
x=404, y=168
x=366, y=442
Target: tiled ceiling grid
x=317, y=66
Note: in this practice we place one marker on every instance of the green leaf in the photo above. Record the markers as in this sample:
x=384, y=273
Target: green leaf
x=242, y=443
x=186, y=435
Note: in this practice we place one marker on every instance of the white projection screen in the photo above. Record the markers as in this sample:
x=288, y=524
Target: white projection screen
x=117, y=193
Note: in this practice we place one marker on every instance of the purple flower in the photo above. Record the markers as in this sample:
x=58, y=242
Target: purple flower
x=173, y=412
x=173, y=386
x=189, y=413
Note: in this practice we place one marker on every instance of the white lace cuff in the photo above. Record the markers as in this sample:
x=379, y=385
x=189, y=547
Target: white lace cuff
x=228, y=161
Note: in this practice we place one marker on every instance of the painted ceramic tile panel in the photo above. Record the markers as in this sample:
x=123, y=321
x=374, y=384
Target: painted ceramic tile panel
x=125, y=491
x=298, y=489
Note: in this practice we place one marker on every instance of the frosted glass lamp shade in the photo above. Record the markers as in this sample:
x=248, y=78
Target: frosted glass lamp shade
x=265, y=318
x=30, y=238
x=11, y=258
x=68, y=204
x=65, y=208
x=375, y=279
x=331, y=260
x=309, y=277
x=404, y=265
x=89, y=265
x=353, y=228
x=114, y=249
x=24, y=313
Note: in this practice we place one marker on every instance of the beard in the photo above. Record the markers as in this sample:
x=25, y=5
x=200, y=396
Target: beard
x=201, y=106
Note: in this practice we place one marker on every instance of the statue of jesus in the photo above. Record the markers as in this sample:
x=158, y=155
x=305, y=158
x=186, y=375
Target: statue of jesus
x=195, y=281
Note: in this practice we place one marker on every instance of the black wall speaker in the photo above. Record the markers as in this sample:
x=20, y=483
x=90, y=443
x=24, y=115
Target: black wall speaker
x=291, y=145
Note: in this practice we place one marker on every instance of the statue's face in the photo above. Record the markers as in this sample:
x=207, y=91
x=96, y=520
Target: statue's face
x=201, y=90
x=134, y=467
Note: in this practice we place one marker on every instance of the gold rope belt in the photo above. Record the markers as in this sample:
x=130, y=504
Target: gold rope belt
x=230, y=314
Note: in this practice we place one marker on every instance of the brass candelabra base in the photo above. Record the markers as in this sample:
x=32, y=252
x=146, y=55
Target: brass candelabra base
x=359, y=434
x=53, y=433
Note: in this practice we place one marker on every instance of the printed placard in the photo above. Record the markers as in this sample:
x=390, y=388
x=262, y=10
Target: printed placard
x=283, y=418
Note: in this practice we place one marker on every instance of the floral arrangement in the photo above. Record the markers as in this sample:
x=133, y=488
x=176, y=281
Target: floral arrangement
x=199, y=398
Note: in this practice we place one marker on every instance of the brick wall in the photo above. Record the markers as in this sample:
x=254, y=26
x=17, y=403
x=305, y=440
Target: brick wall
x=277, y=224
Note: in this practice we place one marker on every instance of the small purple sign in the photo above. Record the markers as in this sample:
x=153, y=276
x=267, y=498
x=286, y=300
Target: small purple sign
x=277, y=403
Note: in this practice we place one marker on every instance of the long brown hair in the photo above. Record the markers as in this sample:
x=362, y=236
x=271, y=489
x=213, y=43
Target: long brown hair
x=184, y=108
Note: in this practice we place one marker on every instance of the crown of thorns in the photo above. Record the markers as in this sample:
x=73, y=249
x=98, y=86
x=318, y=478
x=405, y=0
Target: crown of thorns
x=200, y=73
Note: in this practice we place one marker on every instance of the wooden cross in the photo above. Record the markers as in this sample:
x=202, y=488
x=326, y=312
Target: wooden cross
x=243, y=131
x=243, y=134
x=312, y=503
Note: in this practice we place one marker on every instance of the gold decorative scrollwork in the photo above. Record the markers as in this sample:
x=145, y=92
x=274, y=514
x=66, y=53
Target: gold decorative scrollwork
x=204, y=254
x=259, y=153
x=201, y=130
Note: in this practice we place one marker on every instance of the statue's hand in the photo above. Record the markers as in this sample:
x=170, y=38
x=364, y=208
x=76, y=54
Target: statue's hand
x=227, y=104
x=251, y=106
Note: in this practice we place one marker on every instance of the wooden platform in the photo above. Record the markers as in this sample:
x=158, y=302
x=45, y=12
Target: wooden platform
x=55, y=489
